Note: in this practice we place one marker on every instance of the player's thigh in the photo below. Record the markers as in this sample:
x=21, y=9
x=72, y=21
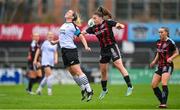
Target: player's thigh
x=39, y=73
x=31, y=74
x=76, y=69
x=165, y=78
x=47, y=70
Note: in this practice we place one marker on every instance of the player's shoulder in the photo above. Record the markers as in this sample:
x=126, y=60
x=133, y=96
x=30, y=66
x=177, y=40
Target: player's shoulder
x=170, y=41
x=157, y=41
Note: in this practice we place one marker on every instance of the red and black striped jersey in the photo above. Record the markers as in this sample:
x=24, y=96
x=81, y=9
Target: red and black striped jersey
x=104, y=32
x=33, y=48
x=165, y=50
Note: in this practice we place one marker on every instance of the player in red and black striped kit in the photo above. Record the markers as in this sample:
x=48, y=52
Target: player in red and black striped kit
x=34, y=73
x=109, y=48
x=166, y=52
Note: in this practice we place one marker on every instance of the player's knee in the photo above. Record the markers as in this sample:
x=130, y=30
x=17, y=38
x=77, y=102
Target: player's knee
x=153, y=85
x=164, y=82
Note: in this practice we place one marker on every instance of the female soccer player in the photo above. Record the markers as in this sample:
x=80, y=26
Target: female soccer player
x=109, y=48
x=34, y=73
x=49, y=57
x=166, y=52
x=68, y=31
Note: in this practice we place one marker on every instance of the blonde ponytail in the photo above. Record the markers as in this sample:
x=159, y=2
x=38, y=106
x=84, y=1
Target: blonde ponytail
x=78, y=21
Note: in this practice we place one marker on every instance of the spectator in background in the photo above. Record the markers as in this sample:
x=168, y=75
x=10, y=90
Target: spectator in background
x=49, y=57
x=68, y=31
x=102, y=28
x=34, y=73
x=166, y=52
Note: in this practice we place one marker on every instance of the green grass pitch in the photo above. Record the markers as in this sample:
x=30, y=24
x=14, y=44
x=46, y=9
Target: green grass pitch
x=68, y=97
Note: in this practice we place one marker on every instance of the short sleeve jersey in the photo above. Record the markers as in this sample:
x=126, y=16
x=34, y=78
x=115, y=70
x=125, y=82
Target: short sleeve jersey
x=48, y=51
x=33, y=48
x=104, y=32
x=165, y=50
x=68, y=31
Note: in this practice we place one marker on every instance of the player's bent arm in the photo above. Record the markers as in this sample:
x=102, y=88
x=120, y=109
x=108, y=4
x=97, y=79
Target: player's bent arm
x=120, y=26
x=36, y=56
x=83, y=40
x=155, y=60
x=175, y=54
x=56, y=57
x=83, y=32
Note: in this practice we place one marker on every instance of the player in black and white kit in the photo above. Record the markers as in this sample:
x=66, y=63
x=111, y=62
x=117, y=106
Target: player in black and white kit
x=68, y=31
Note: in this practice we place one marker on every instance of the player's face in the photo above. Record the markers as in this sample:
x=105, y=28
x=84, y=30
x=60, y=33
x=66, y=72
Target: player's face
x=97, y=19
x=50, y=36
x=35, y=37
x=162, y=33
x=69, y=14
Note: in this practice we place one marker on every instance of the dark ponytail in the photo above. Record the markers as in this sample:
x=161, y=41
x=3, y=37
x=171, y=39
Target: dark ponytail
x=105, y=12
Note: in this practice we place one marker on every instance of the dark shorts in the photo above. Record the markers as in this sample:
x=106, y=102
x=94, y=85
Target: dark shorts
x=110, y=52
x=70, y=57
x=44, y=66
x=164, y=69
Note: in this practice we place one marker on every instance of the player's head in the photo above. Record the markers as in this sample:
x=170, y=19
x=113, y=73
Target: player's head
x=50, y=36
x=105, y=12
x=164, y=32
x=73, y=16
x=35, y=36
x=101, y=14
x=97, y=18
x=70, y=14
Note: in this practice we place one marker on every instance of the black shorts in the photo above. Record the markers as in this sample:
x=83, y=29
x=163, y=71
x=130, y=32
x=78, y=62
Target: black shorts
x=44, y=66
x=164, y=69
x=110, y=52
x=70, y=57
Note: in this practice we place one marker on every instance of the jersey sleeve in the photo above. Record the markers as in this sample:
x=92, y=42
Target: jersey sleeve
x=77, y=32
x=111, y=23
x=90, y=30
x=173, y=45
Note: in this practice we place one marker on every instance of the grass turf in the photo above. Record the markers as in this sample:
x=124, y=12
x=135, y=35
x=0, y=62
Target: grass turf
x=69, y=97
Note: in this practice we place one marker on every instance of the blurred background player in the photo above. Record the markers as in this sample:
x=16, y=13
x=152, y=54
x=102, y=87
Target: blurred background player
x=68, y=31
x=49, y=57
x=166, y=52
x=34, y=73
x=109, y=48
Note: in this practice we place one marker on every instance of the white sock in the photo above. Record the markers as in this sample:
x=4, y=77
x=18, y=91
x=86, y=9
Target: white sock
x=83, y=79
x=49, y=82
x=77, y=80
x=42, y=84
